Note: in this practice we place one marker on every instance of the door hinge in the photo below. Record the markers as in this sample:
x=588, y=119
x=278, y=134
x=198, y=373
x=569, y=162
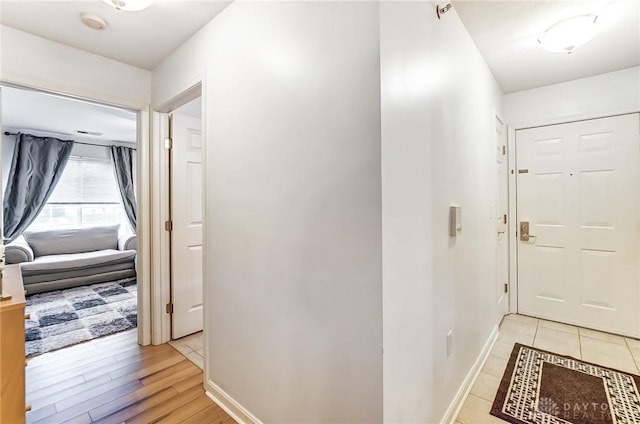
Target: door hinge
x=504, y=218
x=506, y=287
x=168, y=143
x=168, y=225
x=169, y=308
x=504, y=150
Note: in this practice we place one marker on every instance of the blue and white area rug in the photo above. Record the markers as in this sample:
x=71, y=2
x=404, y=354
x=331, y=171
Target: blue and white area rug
x=63, y=318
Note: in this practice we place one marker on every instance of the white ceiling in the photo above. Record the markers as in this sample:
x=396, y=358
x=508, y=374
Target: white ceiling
x=140, y=38
x=44, y=114
x=506, y=31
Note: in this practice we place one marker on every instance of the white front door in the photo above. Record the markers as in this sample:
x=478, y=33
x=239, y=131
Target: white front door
x=186, y=214
x=578, y=188
x=502, y=206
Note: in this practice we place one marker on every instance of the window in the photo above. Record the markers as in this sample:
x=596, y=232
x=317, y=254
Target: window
x=87, y=194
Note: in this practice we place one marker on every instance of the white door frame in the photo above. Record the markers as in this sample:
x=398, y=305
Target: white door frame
x=160, y=270
x=513, y=236
x=160, y=194
x=498, y=117
x=143, y=200
x=512, y=225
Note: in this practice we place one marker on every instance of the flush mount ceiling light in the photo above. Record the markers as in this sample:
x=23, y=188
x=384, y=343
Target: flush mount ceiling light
x=569, y=34
x=129, y=5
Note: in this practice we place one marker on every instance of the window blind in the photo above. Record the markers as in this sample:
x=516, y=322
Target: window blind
x=86, y=181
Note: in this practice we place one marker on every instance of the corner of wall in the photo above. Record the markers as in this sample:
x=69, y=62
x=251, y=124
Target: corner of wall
x=230, y=405
x=456, y=404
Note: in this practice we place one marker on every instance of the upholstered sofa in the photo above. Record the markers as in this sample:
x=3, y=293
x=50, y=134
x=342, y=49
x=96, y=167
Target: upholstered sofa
x=58, y=259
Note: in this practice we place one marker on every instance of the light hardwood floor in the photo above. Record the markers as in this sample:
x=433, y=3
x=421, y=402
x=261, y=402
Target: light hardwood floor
x=114, y=380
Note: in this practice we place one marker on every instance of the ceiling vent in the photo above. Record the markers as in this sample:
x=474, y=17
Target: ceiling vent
x=93, y=21
x=96, y=133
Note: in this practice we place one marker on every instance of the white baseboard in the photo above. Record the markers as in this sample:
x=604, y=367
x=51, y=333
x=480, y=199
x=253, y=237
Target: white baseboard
x=230, y=405
x=454, y=408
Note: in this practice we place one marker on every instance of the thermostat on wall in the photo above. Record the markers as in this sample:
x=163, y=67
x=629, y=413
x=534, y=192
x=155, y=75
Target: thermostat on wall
x=455, y=220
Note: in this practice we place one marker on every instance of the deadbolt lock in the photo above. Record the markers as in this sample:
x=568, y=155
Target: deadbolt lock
x=524, y=231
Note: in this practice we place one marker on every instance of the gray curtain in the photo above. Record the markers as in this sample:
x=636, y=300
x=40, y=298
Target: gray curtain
x=36, y=168
x=122, y=158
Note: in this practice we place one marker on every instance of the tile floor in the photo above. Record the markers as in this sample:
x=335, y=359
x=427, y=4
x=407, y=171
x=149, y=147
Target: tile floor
x=592, y=346
x=191, y=347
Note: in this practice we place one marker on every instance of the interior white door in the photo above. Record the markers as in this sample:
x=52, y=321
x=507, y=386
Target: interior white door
x=578, y=188
x=502, y=205
x=186, y=214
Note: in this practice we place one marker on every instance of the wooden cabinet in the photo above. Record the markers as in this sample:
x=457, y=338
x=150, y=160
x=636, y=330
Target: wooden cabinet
x=12, y=359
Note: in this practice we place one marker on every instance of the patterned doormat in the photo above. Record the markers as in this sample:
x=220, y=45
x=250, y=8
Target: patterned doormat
x=543, y=387
x=63, y=318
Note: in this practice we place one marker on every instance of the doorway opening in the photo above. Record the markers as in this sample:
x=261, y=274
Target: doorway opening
x=184, y=200
x=75, y=236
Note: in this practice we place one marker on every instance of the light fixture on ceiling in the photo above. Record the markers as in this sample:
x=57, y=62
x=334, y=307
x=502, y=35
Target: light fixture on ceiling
x=569, y=34
x=93, y=21
x=129, y=5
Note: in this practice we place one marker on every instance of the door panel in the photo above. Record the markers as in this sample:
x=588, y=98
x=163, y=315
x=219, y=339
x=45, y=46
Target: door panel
x=186, y=214
x=578, y=187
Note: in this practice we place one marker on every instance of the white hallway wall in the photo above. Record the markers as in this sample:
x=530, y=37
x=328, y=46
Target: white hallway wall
x=438, y=149
x=36, y=62
x=293, y=273
x=293, y=174
x=601, y=95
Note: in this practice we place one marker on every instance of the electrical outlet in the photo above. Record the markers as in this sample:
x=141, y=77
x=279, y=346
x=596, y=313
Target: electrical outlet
x=449, y=342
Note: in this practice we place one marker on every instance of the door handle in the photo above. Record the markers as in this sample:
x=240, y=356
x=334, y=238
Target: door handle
x=524, y=232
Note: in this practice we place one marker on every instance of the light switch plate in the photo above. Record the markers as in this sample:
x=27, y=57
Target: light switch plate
x=455, y=220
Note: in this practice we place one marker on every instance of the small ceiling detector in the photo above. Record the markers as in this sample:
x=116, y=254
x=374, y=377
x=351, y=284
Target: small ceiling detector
x=93, y=21
x=442, y=10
